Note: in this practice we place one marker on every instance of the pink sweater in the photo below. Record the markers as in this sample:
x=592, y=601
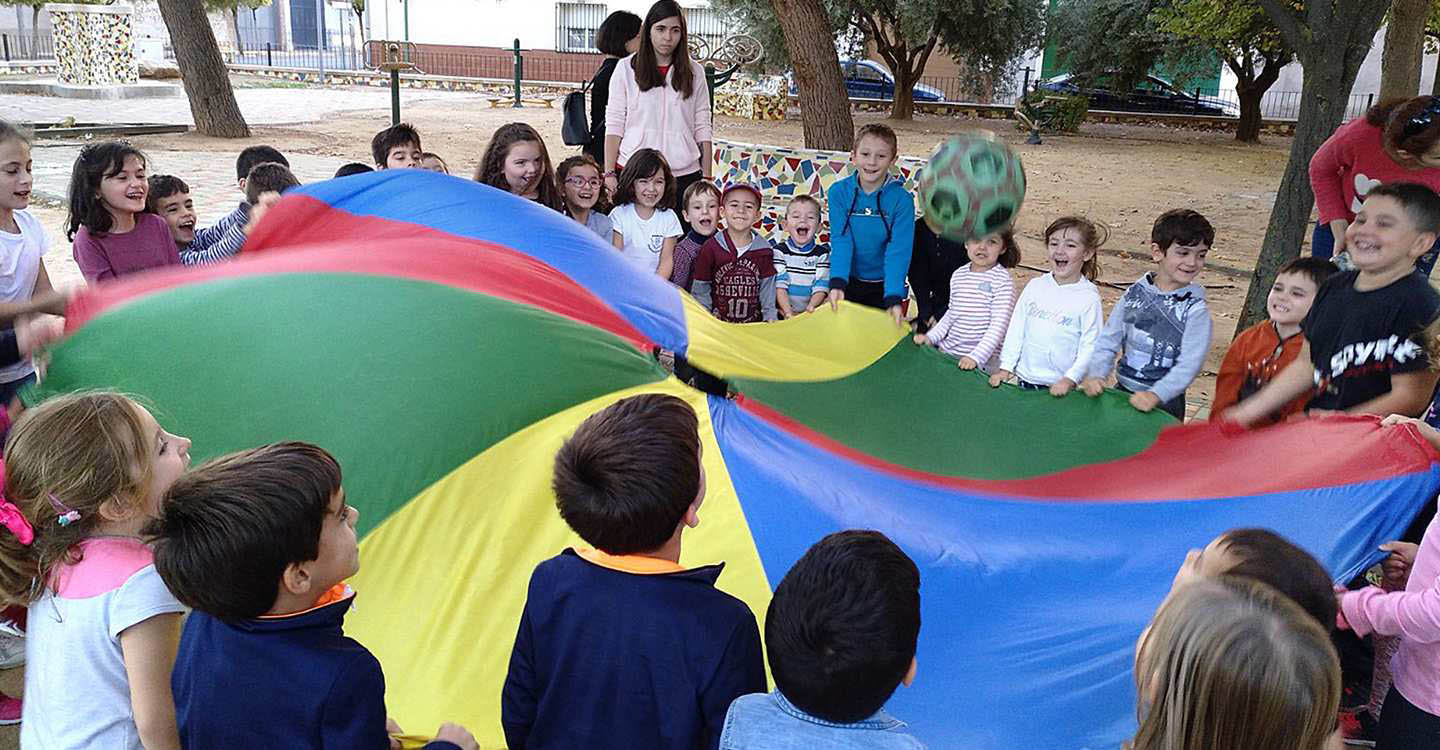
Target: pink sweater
x=659, y=118
x=974, y=324
x=1412, y=614
x=102, y=257
x=1352, y=162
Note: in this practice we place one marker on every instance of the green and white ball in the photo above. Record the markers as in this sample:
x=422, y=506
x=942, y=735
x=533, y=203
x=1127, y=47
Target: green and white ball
x=973, y=185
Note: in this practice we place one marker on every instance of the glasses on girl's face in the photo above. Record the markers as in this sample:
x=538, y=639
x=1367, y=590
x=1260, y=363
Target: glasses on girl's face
x=583, y=181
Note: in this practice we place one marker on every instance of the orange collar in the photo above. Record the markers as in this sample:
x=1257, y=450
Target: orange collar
x=336, y=593
x=638, y=564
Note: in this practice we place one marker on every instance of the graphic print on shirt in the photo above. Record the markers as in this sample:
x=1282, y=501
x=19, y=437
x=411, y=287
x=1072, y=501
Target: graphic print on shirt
x=1367, y=357
x=1154, y=325
x=657, y=241
x=1363, y=186
x=736, y=291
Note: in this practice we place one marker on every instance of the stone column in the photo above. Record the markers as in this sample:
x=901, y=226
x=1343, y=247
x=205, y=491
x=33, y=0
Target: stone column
x=94, y=44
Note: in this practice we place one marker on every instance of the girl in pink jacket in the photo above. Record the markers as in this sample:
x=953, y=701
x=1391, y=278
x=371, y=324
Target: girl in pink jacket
x=1411, y=715
x=659, y=100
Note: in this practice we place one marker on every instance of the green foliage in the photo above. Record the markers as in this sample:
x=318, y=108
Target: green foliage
x=227, y=5
x=1237, y=29
x=1053, y=113
x=983, y=35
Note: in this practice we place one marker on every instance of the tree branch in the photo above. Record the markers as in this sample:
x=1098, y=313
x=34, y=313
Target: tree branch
x=1285, y=19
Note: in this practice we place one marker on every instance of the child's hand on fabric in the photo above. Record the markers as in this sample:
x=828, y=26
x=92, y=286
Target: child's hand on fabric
x=457, y=734
x=1062, y=387
x=1092, y=386
x=967, y=363
x=836, y=296
x=1340, y=622
x=1397, y=565
x=816, y=300
x=393, y=729
x=920, y=339
x=999, y=377
x=36, y=333
x=1431, y=435
x=1144, y=400
x=257, y=212
x=897, y=313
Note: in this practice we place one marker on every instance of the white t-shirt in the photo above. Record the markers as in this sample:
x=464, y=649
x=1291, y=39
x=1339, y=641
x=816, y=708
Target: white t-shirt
x=644, y=237
x=76, y=690
x=19, y=268
x=1053, y=331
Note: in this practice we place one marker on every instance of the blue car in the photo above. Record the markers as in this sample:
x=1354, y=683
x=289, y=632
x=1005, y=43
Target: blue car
x=867, y=79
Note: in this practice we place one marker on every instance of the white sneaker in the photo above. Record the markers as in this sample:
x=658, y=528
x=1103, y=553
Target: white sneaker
x=12, y=651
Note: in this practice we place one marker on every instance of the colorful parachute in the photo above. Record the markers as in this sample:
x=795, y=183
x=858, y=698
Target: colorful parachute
x=442, y=338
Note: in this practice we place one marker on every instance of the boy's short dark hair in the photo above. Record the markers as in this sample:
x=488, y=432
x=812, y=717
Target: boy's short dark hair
x=228, y=529
x=627, y=476
x=268, y=178
x=253, y=155
x=1183, y=226
x=881, y=131
x=842, y=627
x=616, y=31
x=163, y=186
x=353, y=167
x=399, y=134
x=1272, y=559
x=1315, y=269
x=1421, y=203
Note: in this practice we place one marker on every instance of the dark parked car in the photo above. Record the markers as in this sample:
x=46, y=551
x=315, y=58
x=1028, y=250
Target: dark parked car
x=867, y=79
x=1151, y=95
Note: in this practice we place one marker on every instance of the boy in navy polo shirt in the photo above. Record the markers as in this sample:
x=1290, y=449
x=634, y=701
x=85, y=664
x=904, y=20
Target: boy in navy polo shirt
x=620, y=647
x=259, y=543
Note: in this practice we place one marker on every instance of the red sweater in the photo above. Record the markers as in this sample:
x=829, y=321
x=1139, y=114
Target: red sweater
x=1350, y=163
x=1255, y=357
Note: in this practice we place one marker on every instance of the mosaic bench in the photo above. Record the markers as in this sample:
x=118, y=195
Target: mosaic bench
x=783, y=173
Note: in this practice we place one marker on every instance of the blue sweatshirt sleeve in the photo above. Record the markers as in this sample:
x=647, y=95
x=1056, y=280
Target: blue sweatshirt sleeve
x=353, y=716
x=901, y=205
x=842, y=240
x=519, y=697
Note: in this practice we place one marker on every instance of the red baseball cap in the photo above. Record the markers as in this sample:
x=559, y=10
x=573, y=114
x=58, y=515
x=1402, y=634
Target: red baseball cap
x=732, y=187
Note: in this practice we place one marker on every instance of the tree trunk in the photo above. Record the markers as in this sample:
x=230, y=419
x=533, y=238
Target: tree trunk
x=824, y=102
x=235, y=29
x=1404, y=49
x=1251, y=93
x=207, y=82
x=1331, y=62
x=904, y=106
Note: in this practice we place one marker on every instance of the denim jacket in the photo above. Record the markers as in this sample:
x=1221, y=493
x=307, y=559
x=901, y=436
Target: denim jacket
x=769, y=721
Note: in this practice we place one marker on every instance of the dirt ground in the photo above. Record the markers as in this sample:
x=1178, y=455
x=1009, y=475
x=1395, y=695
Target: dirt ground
x=1123, y=176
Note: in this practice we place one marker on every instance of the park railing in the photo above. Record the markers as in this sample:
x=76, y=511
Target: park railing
x=17, y=47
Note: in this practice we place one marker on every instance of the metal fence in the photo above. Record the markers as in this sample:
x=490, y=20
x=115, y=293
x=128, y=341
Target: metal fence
x=25, y=47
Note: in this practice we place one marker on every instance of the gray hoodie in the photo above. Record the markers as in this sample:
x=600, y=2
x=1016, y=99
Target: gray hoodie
x=1161, y=337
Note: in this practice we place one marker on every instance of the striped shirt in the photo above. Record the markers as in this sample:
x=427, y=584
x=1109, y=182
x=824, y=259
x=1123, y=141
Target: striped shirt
x=218, y=242
x=802, y=271
x=974, y=324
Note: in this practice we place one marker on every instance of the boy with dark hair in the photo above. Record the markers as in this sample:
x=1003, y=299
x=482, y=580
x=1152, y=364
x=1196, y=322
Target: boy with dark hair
x=1161, y=327
x=259, y=543
x=268, y=178
x=734, y=276
x=353, y=167
x=1261, y=351
x=1364, y=348
x=619, y=646
x=169, y=198
x=396, y=147
x=841, y=633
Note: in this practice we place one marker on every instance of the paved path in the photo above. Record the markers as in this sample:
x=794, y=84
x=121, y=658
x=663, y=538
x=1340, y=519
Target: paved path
x=261, y=106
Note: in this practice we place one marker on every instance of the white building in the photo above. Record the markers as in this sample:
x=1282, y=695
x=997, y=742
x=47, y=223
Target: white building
x=538, y=24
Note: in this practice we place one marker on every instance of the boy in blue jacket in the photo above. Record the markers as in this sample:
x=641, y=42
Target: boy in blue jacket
x=872, y=226
x=619, y=647
x=259, y=543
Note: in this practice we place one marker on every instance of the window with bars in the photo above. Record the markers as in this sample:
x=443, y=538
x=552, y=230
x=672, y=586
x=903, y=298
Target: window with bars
x=708, y=24
x=576, y=24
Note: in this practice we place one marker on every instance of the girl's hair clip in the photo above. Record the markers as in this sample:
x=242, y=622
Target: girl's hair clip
x=66, y=514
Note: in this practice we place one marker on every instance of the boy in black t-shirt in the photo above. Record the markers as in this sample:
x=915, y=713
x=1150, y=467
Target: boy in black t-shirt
x=1364, y=351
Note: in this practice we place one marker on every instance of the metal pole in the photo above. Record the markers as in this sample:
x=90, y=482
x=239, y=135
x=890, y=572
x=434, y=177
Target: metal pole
x=519, y=69
x=394, y=96
x=405, y=5
x=6, y=39
x=1025, y=87
x=710, y=83
x=320, y=36
x=269, y=57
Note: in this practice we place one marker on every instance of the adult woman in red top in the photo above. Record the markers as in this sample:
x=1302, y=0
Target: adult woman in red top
x=659, y=100
x=1396, y=141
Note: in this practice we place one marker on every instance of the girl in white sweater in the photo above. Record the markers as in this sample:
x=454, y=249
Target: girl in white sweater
x=1058, y=316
